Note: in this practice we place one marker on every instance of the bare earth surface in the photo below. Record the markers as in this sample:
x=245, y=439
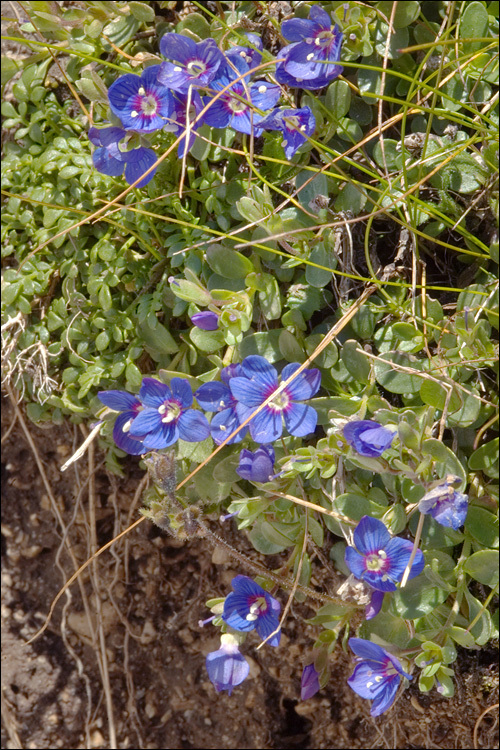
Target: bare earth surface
x=122, y=662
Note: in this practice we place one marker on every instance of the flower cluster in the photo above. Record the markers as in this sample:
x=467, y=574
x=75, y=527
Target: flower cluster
x=198, y=83
x=248, y=607
x=162, y=414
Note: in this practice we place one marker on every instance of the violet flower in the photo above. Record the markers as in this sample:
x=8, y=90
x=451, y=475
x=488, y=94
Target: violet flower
x=112, y=157
x=236, y=107
x=312, y=60
x=129, y=407
x=259, y=381
x=216, y=396
x=295, y=124
x=195, y=64
x=377, y=675
x=258, y=466
x=141, y=102
x=226, y=667
x=206, y=320
x=250, y=607
x=309, y=684
x=379, y=559
x=167, y=416
x=368, y=438
x=447, y=506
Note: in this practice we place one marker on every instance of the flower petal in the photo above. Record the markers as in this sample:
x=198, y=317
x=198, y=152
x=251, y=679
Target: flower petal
x=300, y=419
x=248, y=392
x=182, y=392
x=305, y=385
x=266, y=427
x=193, y=426
x=123, y=439
x=371, y=536
x=298, y=29
x=118, y=400
x=153, y=393
x=164, y=436
x=257, y=368
x=148, y=420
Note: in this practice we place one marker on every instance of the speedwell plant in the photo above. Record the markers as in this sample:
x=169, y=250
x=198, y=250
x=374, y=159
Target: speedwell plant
x=229, y=322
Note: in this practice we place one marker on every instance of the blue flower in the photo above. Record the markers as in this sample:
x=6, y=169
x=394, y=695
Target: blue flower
x=295, y=124
x=258, y=466
x=129, y=407
x=379, y=559
x=447, y=506
x=374, y=605
x=249, y=607
x=206, y=320
x=140, y=102
x=177, y=121
x=311, y=62
x=259, y=382
x=252, y=56
x=235, y=108
x=227, y=667
x=377, y=675
x=195, y=64
x=112, y=156
x=216, y=396
x=368, y=438
x=166, y=416
x=309, y=684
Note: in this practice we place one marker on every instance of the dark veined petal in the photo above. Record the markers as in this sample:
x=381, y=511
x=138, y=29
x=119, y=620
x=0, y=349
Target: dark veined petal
x=107, y=164
x=148, y=420
x=297, y=30
x=267, y=624
x=182, y=392
x=371, y=536
x=243, y=122
x=136, y=166
x=264, y=95
x=121, y=91
x=163, y=437
x=258, y=369
x=123, y=439
x=193, y=426
x=177, y=47
x=219, y=115
x=153, y=393
x=375, y=605
x=368, y=650
x=355, y=562
x=320, y=16
x=248, y=392
x=227, y=668
x=309, y=684
x=398, y=553
x=118, y=400
x=214, y=396
x=305, y=385
x=266, y=426
x=385, y=695
x=300, y=419
x=223, y=424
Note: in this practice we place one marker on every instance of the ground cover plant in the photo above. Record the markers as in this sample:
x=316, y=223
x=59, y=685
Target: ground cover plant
x=254, y=250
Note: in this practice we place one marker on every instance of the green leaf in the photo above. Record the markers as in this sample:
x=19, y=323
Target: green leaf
x=141, y=11
x=418, y=598
x=483, y=567
x=156, y=338
x=483, y=526
x=9, y=69
x=206, y=341
x=318, y=277
x=461, y=636
x=405, y=13
x=196, y=24
x=450, y=464
x=483, y=629
x=473, y=23
x=434, y=394
x=308, y=189
x=485, y=459
x=290, y=347
x=266, y=344
x=228, y=263
x=395, y=380
x=262, y=544
x=356, y=361
x=191, y=292
x=338, y=100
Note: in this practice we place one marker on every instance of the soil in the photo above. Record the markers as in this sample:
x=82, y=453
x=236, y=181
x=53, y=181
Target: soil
x=122, y=661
